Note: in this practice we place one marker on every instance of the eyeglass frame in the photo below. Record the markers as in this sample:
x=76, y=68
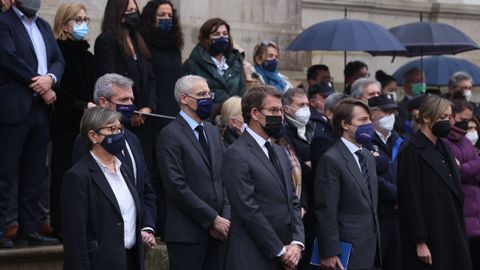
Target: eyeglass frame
x=207, y=95
x=114, y=130
x=79, y=20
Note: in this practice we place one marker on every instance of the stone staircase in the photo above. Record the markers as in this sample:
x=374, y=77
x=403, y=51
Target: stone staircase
x=51, y=258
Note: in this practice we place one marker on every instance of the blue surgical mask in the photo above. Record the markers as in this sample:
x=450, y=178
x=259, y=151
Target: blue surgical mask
x=80, y=31
x=126, y=110
x=114, y=144
x=270, y=65
x=220, y=45
x=204, y=107
x=364, y=133
x=165, y=25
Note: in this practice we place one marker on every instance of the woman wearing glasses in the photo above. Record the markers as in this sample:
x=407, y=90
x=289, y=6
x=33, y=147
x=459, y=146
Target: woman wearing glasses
x=215, y=59
x=75, y=92
x=265, y=58
x=100, y=207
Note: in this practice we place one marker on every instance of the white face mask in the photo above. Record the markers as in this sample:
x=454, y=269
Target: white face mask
x=302, y=115
x=467, y=94
x=472, y=136
x=387, y=122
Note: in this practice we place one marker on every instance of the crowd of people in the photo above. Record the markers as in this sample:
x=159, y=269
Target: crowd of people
x=225, y=160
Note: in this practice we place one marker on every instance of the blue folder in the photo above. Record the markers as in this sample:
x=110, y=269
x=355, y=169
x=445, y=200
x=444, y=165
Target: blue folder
x=344, y=256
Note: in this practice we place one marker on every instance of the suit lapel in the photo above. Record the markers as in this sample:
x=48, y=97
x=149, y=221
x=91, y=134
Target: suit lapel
x=354, y=170
x=102, y=183
x=211, y=134
x=20, y=27
x=191, y=136
x=132, y=189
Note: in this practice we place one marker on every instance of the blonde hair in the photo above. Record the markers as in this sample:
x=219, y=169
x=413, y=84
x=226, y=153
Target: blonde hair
x=432, y=108
x=231, y=107
x=65, y=13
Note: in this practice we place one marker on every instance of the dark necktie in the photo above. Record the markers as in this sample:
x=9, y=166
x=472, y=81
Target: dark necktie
x=363, y=165
x=273, y=158
x=203, y=140
x=128, y=159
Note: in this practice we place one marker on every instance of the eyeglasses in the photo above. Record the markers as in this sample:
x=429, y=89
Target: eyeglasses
x=80, y=20
x=266, y=43
x=274, y=110
x=113, y=130
x=204, y=94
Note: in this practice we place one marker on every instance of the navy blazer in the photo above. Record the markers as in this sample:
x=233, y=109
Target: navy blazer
x=19, y=64
x=144, y=188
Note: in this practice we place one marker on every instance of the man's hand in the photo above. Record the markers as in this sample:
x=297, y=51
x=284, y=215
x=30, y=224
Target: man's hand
x=41, y=84
x=139, y=119
x=221, y=226
x=291, y=257
x=148, y=240
x=49, y=97
x=423, y=253
x=331, y=263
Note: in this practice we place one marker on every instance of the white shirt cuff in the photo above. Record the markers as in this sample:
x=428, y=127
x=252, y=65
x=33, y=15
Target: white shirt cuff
x=281, y=252
x=298, y=243
x=53, y=77
x=148, y=229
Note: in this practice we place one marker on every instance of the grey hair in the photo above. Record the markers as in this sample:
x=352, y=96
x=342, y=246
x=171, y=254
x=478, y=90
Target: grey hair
x=458, y=77
x=332, y=100
x=95, y=118
x=287, y=98
x=104, y=85
x=184, y=85
x=359, y=85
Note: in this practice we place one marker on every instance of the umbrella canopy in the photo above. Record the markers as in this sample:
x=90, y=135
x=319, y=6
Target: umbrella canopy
x=438, y=69
x=345, y=35
x=429, y=38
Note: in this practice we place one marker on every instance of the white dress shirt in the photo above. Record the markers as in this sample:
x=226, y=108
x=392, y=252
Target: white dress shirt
x=193, y=124
x=124, y=199
x=352, y=148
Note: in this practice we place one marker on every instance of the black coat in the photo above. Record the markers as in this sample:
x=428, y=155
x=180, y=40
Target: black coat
x=94, y=228
x=76, y=86
x=431, y=206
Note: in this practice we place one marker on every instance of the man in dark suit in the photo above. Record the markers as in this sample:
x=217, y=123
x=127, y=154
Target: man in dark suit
x=113, y=91
x=31, y=65
x=190, y=160
x=267, y=230
x=346, y=191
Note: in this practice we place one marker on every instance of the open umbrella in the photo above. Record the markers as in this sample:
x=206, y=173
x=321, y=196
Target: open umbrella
x=345, y=35
x=429, y=38
x=438, y=69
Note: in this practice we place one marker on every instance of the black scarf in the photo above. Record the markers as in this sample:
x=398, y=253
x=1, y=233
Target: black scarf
x=163, y=41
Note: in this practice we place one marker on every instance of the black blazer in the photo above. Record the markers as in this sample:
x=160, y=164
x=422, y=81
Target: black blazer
x=265, y=210
x=93, y=236
x=111, y=58
x=430, y=202
x=142, y=184
x=193, y=184
x=19, y=64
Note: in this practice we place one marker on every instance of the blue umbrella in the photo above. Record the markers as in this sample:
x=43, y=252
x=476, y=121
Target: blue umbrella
x=345, y=35
x=438, y=69
x=429, y=38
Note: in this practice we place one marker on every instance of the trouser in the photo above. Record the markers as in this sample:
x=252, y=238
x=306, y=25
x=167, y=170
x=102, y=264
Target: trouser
x=197, y=256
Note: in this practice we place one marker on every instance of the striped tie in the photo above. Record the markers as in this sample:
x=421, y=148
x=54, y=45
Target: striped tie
x=364, y=167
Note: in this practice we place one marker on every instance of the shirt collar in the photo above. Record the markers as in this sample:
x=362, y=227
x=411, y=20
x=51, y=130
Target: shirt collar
x=380, y=135
x=22, y=16
x=351, y=146
x=117, y=162
x=191, y=122
x=261, y=141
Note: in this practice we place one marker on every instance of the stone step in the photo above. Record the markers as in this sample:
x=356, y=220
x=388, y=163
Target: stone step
x=51, y=258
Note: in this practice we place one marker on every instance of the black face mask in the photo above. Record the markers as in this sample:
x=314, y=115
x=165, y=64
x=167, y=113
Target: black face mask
x=30, y=13
x=463, y=125
x=441, y=128
x=273, y=126
x=131, y=20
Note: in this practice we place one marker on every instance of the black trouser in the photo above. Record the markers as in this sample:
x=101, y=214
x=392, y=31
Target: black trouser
x=201, y=256
x=390, y=242
x=474, y=243
x=132, y=259
x=24, y=154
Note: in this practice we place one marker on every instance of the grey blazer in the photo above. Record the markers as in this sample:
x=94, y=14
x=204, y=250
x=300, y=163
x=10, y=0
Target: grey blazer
x=344, y=209
x=193, y=184
x=265, y=210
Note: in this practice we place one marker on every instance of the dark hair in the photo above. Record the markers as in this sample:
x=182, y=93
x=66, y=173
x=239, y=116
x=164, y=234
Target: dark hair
x=459, y=105
x=112, y=22
x=313, y=71
x=384, y=78
x=209, y=27
x=343, y=111
x=148, y=22
x=353, y=67
x=287, y=97
x=254, y=99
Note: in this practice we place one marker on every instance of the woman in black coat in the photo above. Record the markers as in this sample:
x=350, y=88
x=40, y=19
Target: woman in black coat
x=121, y=49
x=430, y=196
x=75, y=92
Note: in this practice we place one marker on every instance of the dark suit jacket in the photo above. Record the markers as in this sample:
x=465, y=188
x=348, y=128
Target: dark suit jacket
x=19, y=64
x=193, y=184
x=265, y=209
x=343, y=206
x=93, y=231
x=143, y=183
